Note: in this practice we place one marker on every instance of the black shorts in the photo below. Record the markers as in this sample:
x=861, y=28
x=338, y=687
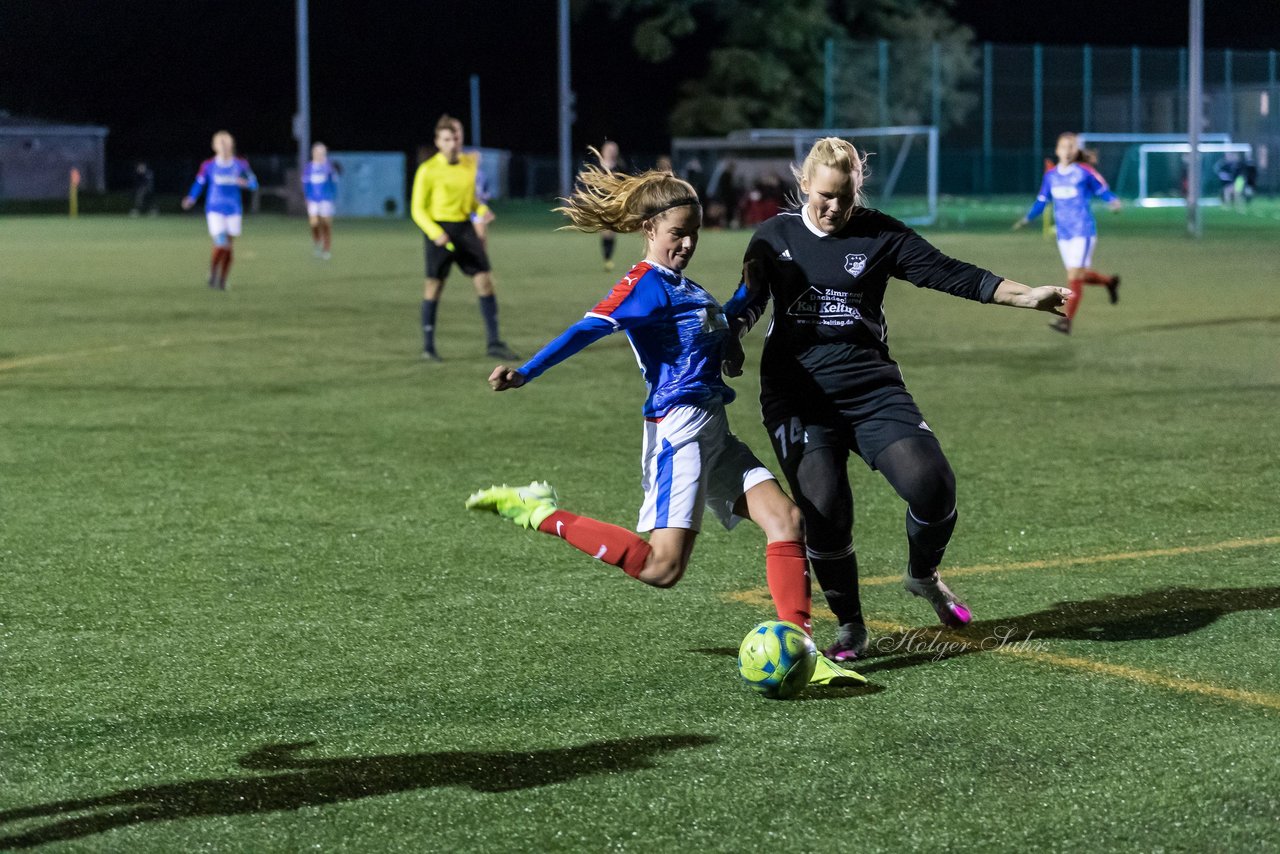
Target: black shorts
x=468, y=252
x=864, y=424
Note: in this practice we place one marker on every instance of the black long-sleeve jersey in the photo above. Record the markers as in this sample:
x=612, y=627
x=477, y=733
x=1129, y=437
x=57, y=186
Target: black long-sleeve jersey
x=828, y=291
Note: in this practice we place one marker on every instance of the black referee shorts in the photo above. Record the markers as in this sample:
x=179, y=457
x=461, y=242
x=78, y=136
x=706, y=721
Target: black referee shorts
x=468, y=252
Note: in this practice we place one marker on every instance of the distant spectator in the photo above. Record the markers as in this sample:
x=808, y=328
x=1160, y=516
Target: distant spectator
x=724, y=193
x=1227, y=170
x=144, y=190
x=694, y=175
x=610, y=162
x=763, y=201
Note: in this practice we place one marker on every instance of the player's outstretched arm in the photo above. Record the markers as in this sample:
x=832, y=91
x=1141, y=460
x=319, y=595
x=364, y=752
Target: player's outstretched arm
x=504, y=378
x=1044, y=298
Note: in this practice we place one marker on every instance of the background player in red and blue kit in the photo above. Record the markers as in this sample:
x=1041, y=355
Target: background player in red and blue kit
x=220, y=179
x=828, y=385
x=691, y=461
x=320, y=186
x=1071, y=186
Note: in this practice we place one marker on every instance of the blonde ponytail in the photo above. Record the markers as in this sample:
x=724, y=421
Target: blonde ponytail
x=613, y=201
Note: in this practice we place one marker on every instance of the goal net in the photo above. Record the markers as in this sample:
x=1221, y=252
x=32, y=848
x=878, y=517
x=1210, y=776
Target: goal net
x=747, y=174
x=1152, y=169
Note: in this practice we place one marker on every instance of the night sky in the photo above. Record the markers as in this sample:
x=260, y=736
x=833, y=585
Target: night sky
x=164, y=74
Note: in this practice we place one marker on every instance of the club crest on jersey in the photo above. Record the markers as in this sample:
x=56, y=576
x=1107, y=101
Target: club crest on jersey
x=855, y=264
x=827, y=307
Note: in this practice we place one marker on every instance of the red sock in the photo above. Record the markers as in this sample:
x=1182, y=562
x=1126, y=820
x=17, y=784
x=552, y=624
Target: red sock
x=215, y=261
x=226, y=262
x=787, y=572
x=326, y=234
x=609, y=543
x=1073, y=301
x=315, y=231
x=1093, y=277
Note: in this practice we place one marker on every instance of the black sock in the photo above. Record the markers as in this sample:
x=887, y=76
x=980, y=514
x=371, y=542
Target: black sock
x=606, y=246
x=927, y=543
x=429, y=325
x=837, y=574
x=489, y=311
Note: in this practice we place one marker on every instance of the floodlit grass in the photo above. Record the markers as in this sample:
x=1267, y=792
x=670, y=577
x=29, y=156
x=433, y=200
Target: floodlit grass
x=242, y=607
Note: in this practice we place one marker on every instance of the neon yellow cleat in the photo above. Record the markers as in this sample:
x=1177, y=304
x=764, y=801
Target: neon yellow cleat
x=827, y=673
x=526, y=506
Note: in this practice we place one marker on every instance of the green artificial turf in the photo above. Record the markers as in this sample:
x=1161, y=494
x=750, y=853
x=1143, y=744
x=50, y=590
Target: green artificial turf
x=242, y=607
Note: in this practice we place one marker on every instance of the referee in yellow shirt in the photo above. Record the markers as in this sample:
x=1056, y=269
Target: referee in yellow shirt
x=442, y=202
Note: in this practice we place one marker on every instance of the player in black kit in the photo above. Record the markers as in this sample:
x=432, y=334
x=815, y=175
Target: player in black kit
x=828, y=385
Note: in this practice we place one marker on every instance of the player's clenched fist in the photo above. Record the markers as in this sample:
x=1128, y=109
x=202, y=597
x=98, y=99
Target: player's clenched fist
x=504, y=378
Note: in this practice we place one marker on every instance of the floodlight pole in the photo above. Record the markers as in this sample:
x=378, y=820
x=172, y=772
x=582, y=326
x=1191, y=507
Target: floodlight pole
x=566, y=102
x=475, y=110
x=1195, y=113
x=302, y=120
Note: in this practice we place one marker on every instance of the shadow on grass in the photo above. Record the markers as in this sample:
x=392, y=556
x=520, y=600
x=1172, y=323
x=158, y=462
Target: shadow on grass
x=312, y=782
x=1152, y=615
x=1209, y=322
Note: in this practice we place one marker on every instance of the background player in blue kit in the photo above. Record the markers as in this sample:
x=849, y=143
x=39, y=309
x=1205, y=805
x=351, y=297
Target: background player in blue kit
x=828, y=385
x=220, y=179
x=1071, y=185
x=320, y=186
x=690, y=459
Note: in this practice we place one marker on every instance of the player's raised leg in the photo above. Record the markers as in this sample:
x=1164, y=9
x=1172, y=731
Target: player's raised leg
x=660, y=563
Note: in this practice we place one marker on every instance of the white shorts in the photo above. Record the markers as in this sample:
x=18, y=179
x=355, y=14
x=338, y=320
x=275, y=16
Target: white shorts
x=1077, y=251
x=223, y=224
x=692, y=461
x=324, y=209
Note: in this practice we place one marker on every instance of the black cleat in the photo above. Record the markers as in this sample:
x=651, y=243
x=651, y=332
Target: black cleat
x=850, y=645
x=499, y=350
x=1062, y=325
x=1113, y=289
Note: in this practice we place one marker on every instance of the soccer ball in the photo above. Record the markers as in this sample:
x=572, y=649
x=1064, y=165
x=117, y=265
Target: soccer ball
x=777, y=659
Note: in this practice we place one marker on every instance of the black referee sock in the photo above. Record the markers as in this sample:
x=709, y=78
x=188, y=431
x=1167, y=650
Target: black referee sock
x=606, y=246
x=429, y=325
x=489, y=311
x=927, y=543
x=837, y=574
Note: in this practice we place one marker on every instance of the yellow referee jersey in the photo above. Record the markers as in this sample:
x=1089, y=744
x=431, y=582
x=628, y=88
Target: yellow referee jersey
x=444, y=192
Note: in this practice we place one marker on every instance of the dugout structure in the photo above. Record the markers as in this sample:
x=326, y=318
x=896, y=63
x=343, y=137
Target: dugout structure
x=902, y=164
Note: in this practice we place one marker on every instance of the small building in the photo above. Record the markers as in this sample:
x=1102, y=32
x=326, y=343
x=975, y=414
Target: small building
x=37, y=156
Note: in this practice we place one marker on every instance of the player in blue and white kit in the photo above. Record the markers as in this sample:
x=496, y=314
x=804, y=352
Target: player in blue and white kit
x=320, y=186
x=691, y=461
x=220, y=179
x=1071, y=185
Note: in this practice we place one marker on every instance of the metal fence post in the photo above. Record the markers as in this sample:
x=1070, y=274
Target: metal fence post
x=1135, y=89
x=1182, y=86
x=1087, y=85
x=935, y=81
x=1037, y=102
x=1229, y=91
x=882, y=52
x=829, y=84
x=986, y=116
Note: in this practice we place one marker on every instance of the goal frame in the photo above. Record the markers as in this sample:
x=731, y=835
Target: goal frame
x=799, y=140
